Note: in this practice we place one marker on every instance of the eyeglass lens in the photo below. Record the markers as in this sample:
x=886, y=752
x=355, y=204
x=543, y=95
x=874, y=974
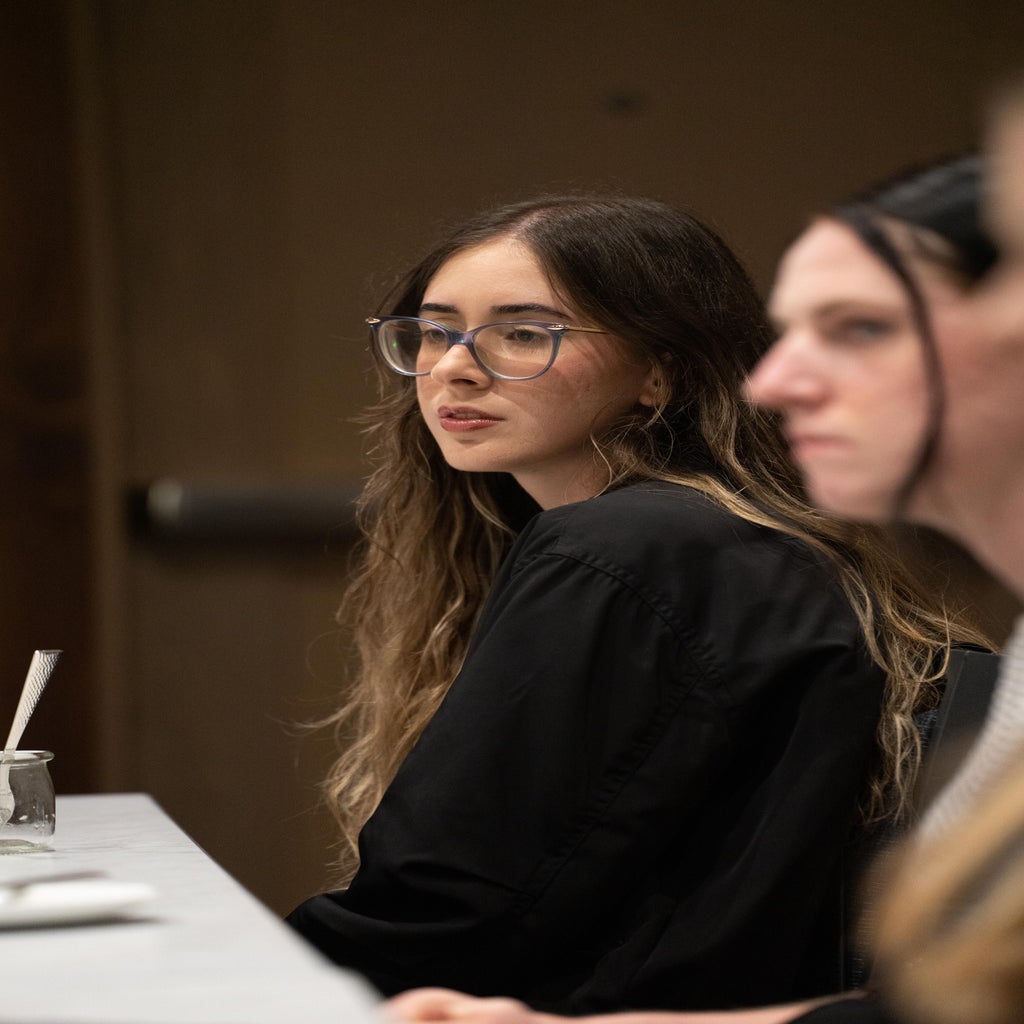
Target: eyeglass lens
x=515, y=350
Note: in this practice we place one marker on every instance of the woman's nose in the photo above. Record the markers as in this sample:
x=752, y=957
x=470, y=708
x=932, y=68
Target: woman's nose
x=783, y=376
x=458, y=365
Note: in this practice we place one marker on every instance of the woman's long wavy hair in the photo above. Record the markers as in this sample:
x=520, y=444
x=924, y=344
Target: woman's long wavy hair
x=670, y=288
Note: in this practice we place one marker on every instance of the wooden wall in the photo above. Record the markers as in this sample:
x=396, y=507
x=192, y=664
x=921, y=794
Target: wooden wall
x=202, y=200
x=46, y=535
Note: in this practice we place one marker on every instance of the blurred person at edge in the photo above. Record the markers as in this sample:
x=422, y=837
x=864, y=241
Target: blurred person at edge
x=950, y=939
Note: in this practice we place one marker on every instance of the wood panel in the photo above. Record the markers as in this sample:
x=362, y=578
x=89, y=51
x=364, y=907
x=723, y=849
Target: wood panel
x=46, y=595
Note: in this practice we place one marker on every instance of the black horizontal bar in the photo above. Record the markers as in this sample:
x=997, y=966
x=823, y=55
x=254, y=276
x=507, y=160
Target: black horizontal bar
x=252, y=511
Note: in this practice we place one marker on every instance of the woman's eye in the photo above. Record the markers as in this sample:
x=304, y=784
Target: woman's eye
x=524, y=335
x=431, y=336
x=863, y=329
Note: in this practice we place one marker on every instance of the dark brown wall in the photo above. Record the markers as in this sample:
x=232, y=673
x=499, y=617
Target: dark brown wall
x=46, y=585
x=242, y=176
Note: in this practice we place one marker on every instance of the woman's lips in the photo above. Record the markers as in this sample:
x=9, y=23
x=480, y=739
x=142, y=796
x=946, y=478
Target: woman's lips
x=807, y=445
x=459, y=419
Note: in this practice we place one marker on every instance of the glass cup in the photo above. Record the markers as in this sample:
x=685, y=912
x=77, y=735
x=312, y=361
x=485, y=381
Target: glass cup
x=32, y=821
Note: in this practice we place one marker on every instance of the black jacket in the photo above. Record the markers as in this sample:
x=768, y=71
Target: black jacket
x=639, y=788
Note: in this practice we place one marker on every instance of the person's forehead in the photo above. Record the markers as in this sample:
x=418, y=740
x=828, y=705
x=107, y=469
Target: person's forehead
x=829, y=258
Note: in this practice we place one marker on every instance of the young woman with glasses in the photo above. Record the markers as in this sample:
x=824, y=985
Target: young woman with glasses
x=622, y=699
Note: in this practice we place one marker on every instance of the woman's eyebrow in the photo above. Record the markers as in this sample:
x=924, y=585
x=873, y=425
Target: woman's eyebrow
x=515, y=308
x=861, y=305
x=506, y=309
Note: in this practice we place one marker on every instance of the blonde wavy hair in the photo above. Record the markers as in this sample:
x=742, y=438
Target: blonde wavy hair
x=667, y=286
x=949, y=938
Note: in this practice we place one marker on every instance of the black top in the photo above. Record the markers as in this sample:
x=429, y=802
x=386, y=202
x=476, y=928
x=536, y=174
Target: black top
x=638, y=789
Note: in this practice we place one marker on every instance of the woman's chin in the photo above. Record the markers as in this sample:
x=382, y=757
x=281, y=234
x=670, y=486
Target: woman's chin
x=848, y=503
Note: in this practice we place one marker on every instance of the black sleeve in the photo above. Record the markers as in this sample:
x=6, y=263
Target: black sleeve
x=569, y=685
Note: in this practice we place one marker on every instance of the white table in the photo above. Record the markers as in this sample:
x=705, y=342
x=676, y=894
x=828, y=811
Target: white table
x=204, y=950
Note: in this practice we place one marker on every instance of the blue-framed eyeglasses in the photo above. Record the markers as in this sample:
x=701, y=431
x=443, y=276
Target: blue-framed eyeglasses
x=520, y=350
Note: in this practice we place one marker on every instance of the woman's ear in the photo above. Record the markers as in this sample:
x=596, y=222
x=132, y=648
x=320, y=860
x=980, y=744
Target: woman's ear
x=652, y=391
